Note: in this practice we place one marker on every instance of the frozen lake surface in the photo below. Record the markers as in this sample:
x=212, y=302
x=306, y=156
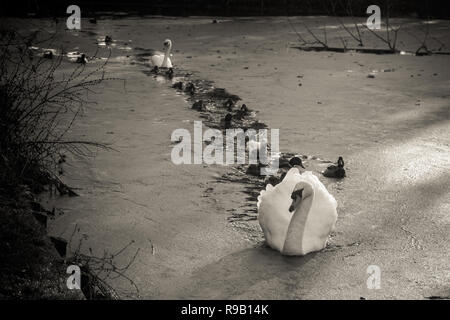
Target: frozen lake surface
x=393, y=131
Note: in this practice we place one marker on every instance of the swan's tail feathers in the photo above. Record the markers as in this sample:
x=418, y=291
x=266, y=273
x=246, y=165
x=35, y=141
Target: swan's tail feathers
x=269, y=188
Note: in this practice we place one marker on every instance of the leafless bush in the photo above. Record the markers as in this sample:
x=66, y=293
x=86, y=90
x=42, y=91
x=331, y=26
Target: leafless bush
x=316, y=38
x=332, y=7
x=347, y=7
x=97, y=272
x=38, y=106
x=424, y=40
x=389, y=39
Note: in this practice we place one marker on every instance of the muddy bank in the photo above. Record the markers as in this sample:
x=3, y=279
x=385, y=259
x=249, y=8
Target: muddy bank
x=31, y=267
x=35, y=266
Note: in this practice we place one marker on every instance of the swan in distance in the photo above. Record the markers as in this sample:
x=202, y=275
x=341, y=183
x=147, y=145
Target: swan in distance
x=162, y=59
x=298, y=214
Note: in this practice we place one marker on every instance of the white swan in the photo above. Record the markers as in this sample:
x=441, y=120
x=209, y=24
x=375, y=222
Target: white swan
x=162, y=59
x=313, y=219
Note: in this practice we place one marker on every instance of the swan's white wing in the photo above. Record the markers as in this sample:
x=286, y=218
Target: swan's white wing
x=274, y=217
x=158, y=59
x=273, y=209
x=168, y=64
x=321, y=217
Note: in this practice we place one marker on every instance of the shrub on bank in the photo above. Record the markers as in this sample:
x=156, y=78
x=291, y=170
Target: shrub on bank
x=38, y=106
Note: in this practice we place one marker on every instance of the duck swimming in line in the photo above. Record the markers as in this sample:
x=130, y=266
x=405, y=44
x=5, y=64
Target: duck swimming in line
x=298, y=214
x=296, y=161
x=155, y=69
x=198, y=105
x=229, y=105
x=178, y=85
x=82, y=59
x=190, y=88
x=242, y=112
x=169, y=73
x=253, y=169
x=48, y=54
x=284, y=165
x=227, y=121
x=293, y=162
x=335, y=171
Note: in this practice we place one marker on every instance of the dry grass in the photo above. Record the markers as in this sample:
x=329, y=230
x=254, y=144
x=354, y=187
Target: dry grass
x=38, y=106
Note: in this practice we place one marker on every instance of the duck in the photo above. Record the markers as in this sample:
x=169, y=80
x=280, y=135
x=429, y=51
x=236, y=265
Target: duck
x=273, y=180
x=162, y=59
x=155, y=69
x=178, y=85
x=108, y=39
x=296, y=161
x=198, y=105
x=81, y=59
x=283, y=162
x=227, y=120
x=190, y=88
x=229, y=105
x=335, y=171
x=297, y=215
x=242, y=112
x=253, y=169
x=48, y=54
x=169, y=73
x=285, y=165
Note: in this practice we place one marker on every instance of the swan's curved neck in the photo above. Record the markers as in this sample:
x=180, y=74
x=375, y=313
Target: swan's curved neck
x=166, y=56
x=294, y=235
